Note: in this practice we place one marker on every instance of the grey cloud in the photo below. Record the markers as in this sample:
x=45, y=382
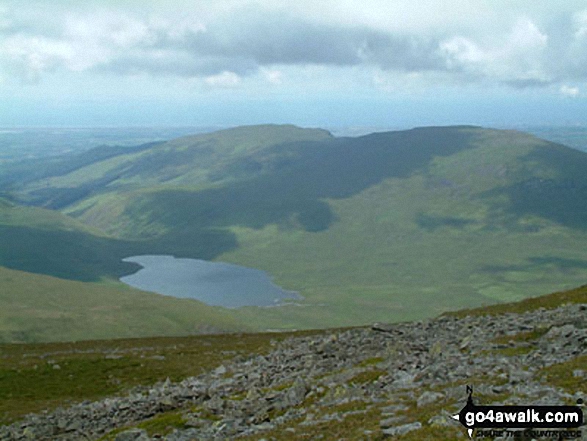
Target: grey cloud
x=406, y=53
x=245, y=43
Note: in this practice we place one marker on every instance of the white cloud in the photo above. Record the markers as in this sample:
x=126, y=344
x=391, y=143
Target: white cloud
x=106, y=28
x=225, y=80
x=580, y=21
x=273, y=76
x=103, y=37
x=31, y=56
x=569, y=91
x=517, y=58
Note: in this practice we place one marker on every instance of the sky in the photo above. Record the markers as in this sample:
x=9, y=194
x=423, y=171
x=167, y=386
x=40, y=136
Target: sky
x=391, y=63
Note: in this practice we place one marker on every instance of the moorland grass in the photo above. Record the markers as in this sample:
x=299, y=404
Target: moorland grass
x=549, y=301
x=89, y=370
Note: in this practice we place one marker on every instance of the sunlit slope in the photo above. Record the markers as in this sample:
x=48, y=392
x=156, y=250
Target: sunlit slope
x=208, y=159
x=42, y=308
x=388, y=226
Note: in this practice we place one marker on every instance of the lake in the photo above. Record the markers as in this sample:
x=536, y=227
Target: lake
x=214, y=283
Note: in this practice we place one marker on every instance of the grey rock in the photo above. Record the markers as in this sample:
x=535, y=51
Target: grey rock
x=429, y=398
x=440, y=421
x=383, y=327
x=391, y=421
x=404, y=380
x=402, y=430
x=220, y=370
x=132, y=435
x=321, y=371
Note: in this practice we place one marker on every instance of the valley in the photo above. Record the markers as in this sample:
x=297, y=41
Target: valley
x=389, y=226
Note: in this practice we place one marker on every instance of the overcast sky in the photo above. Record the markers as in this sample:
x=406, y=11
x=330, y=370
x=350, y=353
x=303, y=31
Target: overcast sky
x=390, y=63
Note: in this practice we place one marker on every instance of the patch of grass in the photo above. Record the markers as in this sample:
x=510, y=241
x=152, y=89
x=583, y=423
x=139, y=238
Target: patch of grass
x=37, y=308
x=160, y=425
x=164, y=423
x=350, y=406
x=522, y=337
x=368, y=376
x=356, y=426
x=549, y=301
x=518, y=344
x=514, y=351
x=561, y=375
x=279, y=388
x=370, y=361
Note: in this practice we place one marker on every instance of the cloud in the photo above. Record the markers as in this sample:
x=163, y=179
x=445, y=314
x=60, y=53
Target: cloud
x=571, y=92
x=572, y=56
x=221, y=43
x=4, y=21
x=517, y=60
x=30, y=57
x=273, y=76
x=241, y=43
x=224, y=79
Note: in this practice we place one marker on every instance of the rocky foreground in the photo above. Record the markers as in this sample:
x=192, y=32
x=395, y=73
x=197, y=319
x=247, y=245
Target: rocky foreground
x=389, y=381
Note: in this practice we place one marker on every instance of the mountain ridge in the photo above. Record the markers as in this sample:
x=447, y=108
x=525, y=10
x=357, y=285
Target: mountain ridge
x=403, y=224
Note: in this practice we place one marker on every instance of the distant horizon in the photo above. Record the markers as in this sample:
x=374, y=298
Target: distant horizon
x=60, y=139
x=5, y=128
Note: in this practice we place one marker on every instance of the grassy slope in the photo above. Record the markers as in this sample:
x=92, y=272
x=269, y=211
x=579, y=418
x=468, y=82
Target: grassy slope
x=95, y=369
x=43, y=308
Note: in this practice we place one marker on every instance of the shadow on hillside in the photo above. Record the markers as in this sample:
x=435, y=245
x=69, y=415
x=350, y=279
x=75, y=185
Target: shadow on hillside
x=299, y=176
x=561, y=199
x=543, y=264
x=80, y=256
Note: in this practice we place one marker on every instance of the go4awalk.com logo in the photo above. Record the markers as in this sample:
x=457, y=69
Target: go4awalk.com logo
x=562, y=422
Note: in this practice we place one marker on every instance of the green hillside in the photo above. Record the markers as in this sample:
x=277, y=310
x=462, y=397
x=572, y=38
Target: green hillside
x=388, y=226
x=43, y=308
x=194, y=160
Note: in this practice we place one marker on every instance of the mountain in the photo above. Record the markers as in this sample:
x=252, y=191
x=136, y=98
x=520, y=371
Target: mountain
x=384, y=227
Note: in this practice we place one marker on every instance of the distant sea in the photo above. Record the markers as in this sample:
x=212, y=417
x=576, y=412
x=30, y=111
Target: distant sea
x=572, y=136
